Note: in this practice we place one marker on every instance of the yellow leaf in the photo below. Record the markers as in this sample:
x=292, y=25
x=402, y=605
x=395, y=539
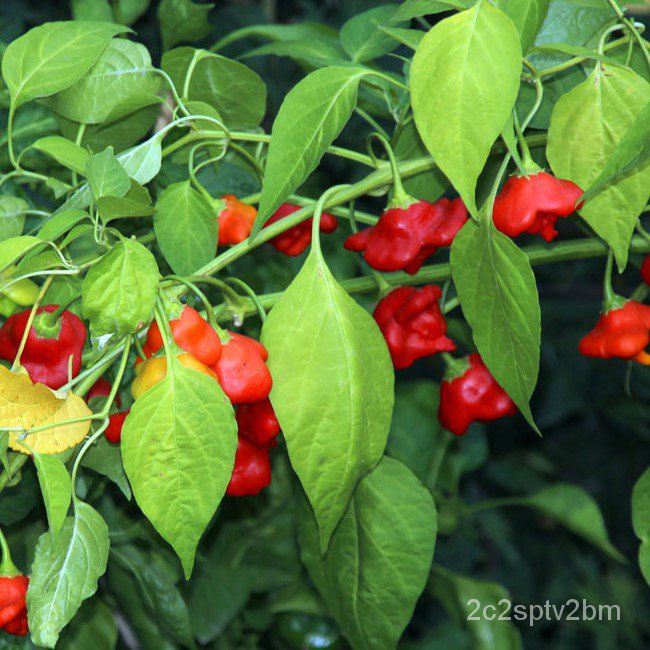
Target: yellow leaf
x=30, y=406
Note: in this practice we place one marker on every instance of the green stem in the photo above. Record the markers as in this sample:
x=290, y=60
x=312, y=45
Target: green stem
x=14, y=465
x=400, y=198
x=488, y=504
x=7, y=567
x=632, y=29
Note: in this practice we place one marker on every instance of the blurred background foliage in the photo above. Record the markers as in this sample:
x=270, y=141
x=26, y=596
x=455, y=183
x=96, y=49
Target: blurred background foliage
x=250, y=590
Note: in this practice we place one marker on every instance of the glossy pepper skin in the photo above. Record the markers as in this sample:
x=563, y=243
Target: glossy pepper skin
x=242, y=370
x=113, y=431
x=404, y=238
x=47, y=350
x=13, y=610
x=19, y=294
x=622, y=332
x=645, y=270
x=192, y=333
x=257, y=423
x=472, y=396
x=294, y=241
x=150, y=372
x=252, y=471
x=235, y=220
x=102, y=388
x=298, y=631
x=533, y=204
x=412, y=324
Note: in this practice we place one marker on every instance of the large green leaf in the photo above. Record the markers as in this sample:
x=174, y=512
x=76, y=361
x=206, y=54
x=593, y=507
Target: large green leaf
x=183, y=20
x=417, y=8
x=119, y=291
x=586, y=127
x=528, y=17
x=310, y=118
x=51, y=57
x=94, y=626
x=65, y=573
x=641, y=521
x=105, y=175
x=178, y=447
x=186, y=228
x=468, y=60
x=574, y=508
x=64, y=151
x=333, y=388
x=12, y=216
x=105, y=459
x=121, y=82
x=498, y=294
x=56, y=489
x=379, y=556
x=361, y=36
x=466, y=599
x=232, y=88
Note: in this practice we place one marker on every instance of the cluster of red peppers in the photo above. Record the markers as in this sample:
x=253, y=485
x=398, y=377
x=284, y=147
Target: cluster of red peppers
x=13, y=589
x=238, y=363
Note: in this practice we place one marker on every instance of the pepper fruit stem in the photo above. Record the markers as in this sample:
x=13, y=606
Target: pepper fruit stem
x=7, y=567
x=400, y=198
x=611, y=300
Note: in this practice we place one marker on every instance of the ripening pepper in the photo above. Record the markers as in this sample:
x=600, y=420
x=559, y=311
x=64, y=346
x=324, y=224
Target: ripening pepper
x=292, y=242
x=403, y=238
x=242, y=370
x=150, y=372
x=532, y=204
x=252, y=471
x=13, y=588
x=620, y=332
x=22, y=293
x=645, y=270
x=113, y=431
x=470, y=393
x=257, y=423
x=412, y=324
x=52, y=340
x=192, y=333
x=235, y=220
x=102, y=388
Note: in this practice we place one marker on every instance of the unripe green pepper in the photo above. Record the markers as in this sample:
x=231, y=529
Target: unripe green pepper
x=297, y=631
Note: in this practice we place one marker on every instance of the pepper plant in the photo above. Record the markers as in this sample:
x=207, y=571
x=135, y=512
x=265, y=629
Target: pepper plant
x=208, y=297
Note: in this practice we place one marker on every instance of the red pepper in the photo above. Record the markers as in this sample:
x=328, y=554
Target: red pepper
x=242, y=370
x=532, y=204
x=235, y=220
x=102, y=388
x=50, y=344
x=292, y=242
x=113, y=431
x=257, y=423
x=192, y=333
x=412, y=324
x=252, y=472
x=470, y=393
x=403, y=238
x=645, y=270
x=623, y=332
x=13, y=610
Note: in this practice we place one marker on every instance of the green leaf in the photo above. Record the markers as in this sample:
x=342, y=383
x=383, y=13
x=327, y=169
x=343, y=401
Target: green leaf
x=128, y=11
x=572, y=50
x=317, y=52
x=106, y=176
x=94, y=626
x=641, y=521
x=368, y=581
x=468, y=60
x=12, y=216
x=232, y=88
x=362, y=38
x=528, y=17
x=409, y=37
x=92, y=10
x=576, y=509
x=183, y=20
x=64, y=151
x=459, y=595
x=310, y=118
x=187, y=418
x=65, y=573
x=418, y=8
x=497, y=291
x=332, y=390
x=186, y=228
x=56, y=489
x=142, y=163
x=105, y=459
x=121, y=82
x=135, y=203
x=51, y=57
x=632, y=151
x=119, y=291
x=586, y=127
x=14, y=248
